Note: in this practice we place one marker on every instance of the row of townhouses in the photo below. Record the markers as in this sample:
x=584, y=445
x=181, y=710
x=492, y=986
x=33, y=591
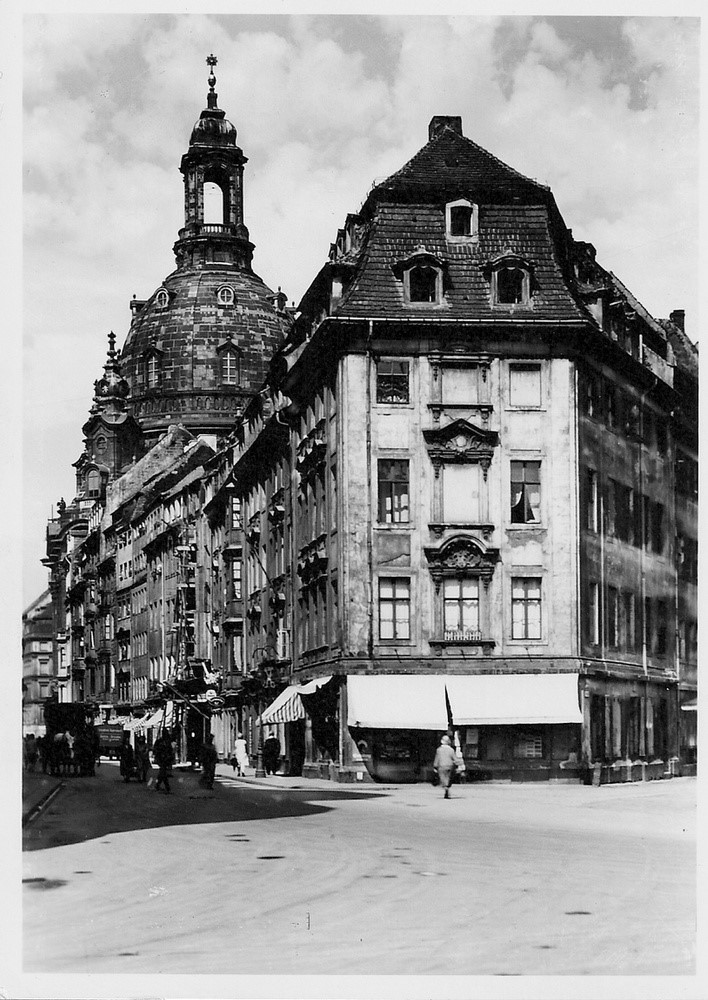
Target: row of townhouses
x=456, y=488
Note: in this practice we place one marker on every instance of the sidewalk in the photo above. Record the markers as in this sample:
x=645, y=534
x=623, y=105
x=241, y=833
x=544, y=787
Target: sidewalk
x=37, y=788
x=284, y=782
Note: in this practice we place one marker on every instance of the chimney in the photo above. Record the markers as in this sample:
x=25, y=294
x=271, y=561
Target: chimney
x=439, y=122
x=678, y=318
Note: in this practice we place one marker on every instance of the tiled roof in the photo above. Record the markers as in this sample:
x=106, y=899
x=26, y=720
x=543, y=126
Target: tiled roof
x=685, y=351
x=397, y=230
x=451, y=166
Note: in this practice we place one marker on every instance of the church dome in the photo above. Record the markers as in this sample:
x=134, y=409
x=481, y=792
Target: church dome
x=213, y=129
x=198, y=349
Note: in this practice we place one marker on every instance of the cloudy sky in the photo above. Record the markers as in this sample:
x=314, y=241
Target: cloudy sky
x=604, y=110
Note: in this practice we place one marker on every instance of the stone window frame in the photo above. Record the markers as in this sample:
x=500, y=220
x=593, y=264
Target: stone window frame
x=226, y=295
x=152, y=367
x=473, y=234
x=162, y=298
x=510, y=260
x=228, y=347
x=421, y=257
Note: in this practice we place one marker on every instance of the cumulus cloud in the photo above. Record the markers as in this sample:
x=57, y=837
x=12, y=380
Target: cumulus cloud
x=604, y=110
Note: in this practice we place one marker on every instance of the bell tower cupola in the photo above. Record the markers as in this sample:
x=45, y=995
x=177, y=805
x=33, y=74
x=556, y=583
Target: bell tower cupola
x=212, y=167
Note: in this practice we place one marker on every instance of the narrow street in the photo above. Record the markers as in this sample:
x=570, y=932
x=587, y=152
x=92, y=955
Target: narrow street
x=296, y=877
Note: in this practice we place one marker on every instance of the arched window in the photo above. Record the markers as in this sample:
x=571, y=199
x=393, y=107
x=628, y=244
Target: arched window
x=213, y=204
x=162, y=299
x=93, y=483
x=225, y=295
x=229, y=368
x=423, y=283
x=461, y=220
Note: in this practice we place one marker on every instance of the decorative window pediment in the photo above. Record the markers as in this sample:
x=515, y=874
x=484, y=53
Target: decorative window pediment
x=422, y=276
x=511, y=278
x=461, y=441
x=461, y=556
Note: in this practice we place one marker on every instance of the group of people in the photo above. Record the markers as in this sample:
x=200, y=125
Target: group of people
x=135, y=762
x=62, y=754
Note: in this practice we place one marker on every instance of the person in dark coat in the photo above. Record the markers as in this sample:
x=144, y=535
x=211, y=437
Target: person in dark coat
x=444, y=764
x=163, y=755
x=142, y=758
x=127, y=759
x=208, y=759
x=43, y=745
x=271, y=753
x=31, y=752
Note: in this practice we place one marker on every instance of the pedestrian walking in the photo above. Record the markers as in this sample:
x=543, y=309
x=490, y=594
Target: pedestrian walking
x=127, y=760
x=271, y=753
x=164, y=758
x=142, y=758
x=208, y=758
x=239, y=760
x=444, y=764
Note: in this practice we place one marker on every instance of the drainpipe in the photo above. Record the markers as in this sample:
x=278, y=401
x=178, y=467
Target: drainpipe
x=370, y=529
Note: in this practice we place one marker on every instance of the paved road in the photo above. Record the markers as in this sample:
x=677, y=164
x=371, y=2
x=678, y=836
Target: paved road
x=309, y=878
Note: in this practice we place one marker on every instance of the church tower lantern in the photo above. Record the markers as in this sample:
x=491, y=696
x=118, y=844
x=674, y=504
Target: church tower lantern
x=198, y=348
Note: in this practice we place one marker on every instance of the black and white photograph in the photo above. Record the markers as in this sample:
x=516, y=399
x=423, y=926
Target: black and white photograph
x=359, y=473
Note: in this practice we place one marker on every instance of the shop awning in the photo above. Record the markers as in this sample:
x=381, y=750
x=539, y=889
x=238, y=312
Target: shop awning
x=288, y=706
x=514, y=699
x=162, y=717
x=397, y=701
x=417, y=701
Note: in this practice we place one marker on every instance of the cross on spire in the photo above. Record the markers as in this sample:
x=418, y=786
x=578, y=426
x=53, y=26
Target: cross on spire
x=211, y=96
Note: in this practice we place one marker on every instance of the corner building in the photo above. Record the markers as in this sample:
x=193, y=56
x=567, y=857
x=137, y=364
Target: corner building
x=468, y=496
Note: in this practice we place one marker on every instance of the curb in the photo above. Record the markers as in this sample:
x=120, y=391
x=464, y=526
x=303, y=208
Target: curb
x=36, y=809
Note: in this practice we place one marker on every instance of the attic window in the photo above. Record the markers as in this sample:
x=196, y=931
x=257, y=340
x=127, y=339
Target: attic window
x=225, y=295
x=510, y=286
x=423, y=283
x=510, y=278
x=162, y=299
x=461, y=219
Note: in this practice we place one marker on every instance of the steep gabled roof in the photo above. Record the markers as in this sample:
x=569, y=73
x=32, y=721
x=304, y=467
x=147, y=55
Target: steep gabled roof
x=453, y=166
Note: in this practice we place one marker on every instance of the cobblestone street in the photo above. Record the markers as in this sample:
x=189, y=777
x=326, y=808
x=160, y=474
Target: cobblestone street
x=294, y=877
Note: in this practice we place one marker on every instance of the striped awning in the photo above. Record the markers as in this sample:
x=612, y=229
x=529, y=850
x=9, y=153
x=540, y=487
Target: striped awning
x=288, y=706
x=161, y=718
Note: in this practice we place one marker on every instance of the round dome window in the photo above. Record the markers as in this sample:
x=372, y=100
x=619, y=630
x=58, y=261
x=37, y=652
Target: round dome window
x=225, y=295
x=162, y=299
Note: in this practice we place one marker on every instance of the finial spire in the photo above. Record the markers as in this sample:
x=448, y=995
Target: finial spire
x=212, y=95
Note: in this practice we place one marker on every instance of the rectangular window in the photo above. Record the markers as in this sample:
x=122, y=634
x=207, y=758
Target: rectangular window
x=591, y=487
x=648, y=625
x=612, y=617
x=662, y=628
x=460, y=385
x=461, y=608
x=594, y=614
x=236, y=522
x=525, y=492
x=393, y=491
x=526, y=608
x=657, y=527
x=610, y=407
x=461, y=494
x=592, y=396
x=628, y=626
x=392, y=382
x=528, y=745
x=236, y=579
x=394, y=608
x=525, y=385
x=611, y=507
